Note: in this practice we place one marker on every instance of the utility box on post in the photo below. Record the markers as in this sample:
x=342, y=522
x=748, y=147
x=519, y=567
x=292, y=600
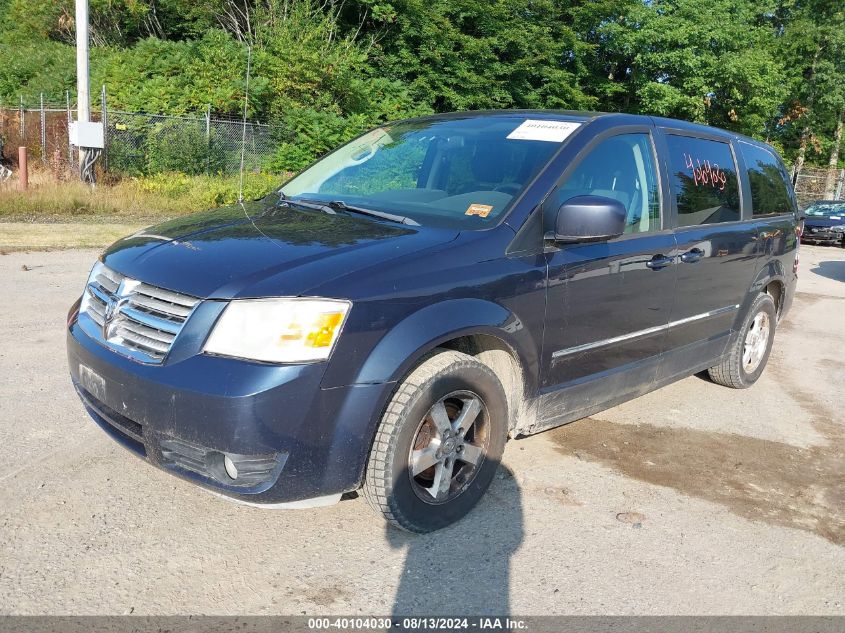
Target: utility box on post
x=87, y=134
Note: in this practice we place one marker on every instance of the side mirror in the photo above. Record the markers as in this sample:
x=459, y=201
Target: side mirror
x=590, y=219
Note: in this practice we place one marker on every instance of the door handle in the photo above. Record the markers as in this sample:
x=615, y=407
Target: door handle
x=659, y=261
x=690, y=257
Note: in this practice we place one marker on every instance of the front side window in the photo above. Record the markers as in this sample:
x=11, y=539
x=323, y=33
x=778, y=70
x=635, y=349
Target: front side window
x=704, y=180
x=769, y=188
x=621, y=168
x=458, y=173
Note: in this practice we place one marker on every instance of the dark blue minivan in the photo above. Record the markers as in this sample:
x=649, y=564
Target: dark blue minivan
x=396, y=311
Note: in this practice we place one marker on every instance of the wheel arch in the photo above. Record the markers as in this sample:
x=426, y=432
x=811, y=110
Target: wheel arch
x=485, y=330
x=770, y=279
x=503, y=360
x=776, y=289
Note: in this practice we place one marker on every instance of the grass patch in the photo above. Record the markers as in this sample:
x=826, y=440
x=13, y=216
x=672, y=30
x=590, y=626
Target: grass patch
x=28, y=236
x=59, y=214
x=131, y=200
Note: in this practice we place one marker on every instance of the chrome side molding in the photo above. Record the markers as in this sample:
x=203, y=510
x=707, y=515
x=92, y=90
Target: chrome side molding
x=641, y=333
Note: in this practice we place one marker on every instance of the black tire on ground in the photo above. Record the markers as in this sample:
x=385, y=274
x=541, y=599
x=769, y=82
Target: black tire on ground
x=428, y=410
x=735, y=370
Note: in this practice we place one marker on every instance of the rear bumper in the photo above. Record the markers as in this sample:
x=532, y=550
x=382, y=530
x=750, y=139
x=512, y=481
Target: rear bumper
x=788, y=297
x=289, y=439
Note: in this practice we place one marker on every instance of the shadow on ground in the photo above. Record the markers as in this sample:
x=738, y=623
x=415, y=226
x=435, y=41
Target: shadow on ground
x=831, y=270
x=464, y=568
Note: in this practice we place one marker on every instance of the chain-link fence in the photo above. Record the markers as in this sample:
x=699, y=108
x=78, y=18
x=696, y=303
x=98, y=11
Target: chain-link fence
x=819, y=184
x=147, y=144
x=143, y=144
x=42, y=130
x=138, y=144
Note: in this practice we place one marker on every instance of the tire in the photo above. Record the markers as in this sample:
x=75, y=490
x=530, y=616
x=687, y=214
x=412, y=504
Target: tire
x=397, y=479
x=741, y=367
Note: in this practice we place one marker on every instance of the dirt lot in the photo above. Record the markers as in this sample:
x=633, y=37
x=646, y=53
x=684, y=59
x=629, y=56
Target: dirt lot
x=693, y=499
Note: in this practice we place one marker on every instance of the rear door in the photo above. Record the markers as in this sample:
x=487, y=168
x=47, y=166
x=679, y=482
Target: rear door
x=774, y=212
x=717, y=248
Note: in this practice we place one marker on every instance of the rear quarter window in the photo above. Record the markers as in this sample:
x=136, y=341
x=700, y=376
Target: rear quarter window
x=770, y=190
x=704, y=180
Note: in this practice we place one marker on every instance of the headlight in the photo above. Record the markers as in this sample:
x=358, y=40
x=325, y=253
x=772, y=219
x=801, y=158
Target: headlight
x=86, y=296
x=839, y=228
x=278, y=330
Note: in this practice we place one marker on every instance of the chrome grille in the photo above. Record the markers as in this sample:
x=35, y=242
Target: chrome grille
x=132, y=317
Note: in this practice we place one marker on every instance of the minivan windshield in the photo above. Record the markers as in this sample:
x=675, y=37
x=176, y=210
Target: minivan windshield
x=461, y=173
x=826, y=208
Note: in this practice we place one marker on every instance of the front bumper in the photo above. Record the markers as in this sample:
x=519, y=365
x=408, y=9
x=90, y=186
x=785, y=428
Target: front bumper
x=289, y=439
x=821, y=236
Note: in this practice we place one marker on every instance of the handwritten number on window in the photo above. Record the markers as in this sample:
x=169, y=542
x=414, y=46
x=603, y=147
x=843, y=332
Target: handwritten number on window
x=704, y=173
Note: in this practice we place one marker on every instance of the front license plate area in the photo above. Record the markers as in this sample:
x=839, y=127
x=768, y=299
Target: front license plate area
x=92, y=382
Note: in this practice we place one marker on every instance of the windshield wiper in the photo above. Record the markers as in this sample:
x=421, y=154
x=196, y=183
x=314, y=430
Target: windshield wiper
x=307, y=204
x=340, y=205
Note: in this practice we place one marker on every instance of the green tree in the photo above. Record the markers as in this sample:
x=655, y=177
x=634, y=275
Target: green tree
x=814, y=38
x=475, y=54
x=708, y=62
x=324, y=70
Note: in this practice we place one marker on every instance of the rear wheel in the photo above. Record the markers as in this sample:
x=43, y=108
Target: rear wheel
x=749, y=352
x=439, y=443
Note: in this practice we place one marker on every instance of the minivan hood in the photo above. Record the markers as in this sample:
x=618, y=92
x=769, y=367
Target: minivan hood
x=824, y=220
x=262, y=249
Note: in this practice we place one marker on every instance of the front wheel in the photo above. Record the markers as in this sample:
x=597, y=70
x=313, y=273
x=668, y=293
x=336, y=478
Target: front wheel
x=749, y=352
x=439, y=443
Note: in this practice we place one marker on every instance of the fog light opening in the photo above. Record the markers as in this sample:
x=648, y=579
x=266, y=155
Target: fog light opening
x=230, y=467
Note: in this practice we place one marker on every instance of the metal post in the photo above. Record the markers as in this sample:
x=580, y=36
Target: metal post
x=43, y=132
x=208, y=139
x=21, y=119
x=105, y=119
x=83, y=99
x=839, y=186
x=69, y=121
x=23, y=168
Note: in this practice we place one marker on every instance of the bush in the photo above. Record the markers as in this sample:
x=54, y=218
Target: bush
x=126, y=153
x=175, y=145
x=309, y=134
x=208, y=191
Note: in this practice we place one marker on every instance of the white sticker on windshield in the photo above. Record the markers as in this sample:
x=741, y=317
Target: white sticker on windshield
x=544, y=130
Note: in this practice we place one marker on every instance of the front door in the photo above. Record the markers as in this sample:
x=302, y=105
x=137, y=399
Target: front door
x=608, y=303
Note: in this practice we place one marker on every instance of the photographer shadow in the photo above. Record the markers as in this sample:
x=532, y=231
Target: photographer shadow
x=830, y=270
x=463, y=569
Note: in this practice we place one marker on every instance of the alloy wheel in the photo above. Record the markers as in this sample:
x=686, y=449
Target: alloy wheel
x=756, y=342
x=449, y=447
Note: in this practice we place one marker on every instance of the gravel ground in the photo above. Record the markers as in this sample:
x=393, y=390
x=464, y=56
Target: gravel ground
x=694, y=499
